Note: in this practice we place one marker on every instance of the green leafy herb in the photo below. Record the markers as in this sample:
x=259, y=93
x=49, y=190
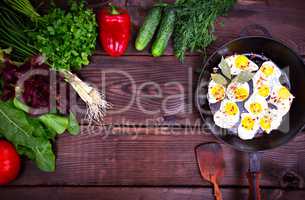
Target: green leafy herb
x=195, y=23
x=225, y=68
x=67, y=39
x=244, y=76
x=218, y=78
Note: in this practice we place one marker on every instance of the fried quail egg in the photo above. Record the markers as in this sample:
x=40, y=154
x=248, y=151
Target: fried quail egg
x=263, y=89
x=238, y=91
x=248, y=126
x=216, y=92
x=269, y=70
x=267, y=76
x=240, y=63
x=263, y=86
x=228, y=114
x=270, y=120
x=281, y=98
x=256, y=105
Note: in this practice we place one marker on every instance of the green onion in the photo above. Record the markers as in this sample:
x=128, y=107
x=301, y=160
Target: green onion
x=25, y=7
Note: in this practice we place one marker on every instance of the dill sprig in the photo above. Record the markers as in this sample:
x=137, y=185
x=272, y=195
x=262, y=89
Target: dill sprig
x=194, y=24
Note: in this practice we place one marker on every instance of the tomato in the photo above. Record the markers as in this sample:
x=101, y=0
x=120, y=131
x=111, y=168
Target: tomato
x=9, y=162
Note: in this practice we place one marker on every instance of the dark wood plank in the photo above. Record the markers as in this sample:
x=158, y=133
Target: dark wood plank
x=132, y=193
x=157, y=157
x=146, y=90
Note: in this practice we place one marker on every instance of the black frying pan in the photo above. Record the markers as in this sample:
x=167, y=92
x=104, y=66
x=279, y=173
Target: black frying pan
x=294, y=121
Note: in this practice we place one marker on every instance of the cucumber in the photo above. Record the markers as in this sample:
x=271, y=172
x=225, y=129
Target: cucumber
x=148, y=28
x=164, y=33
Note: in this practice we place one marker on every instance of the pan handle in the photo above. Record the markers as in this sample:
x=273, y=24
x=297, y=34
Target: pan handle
x=253, y=28
x=253, y=176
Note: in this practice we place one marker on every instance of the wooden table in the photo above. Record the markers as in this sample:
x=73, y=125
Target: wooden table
x=150, y=155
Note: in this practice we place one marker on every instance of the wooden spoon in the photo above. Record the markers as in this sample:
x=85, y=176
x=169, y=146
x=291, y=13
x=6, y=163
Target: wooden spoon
x=211, y=164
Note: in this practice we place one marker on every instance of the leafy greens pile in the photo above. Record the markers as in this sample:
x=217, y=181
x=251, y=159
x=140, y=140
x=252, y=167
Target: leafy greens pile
x=58, y=42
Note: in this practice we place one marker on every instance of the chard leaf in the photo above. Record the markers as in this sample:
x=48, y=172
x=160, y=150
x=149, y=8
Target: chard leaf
x=55, y=122
x=73, y=127
x=22, y=150
x=225, y=68
x=44, y=157
x=19, y=129
x=218, y=78
x=244, y=76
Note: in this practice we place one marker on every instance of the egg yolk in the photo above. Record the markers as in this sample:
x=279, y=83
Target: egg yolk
x=241, y=93
x=231, y=108
x=241, y=62
x=265, y=123
x=267, y=70
x=264, y=90
x=284, y=93
x=218, y=92
x=248, y=123
x=256, y=108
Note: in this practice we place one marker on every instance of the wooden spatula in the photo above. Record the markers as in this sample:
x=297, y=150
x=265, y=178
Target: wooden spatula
x=211, y=164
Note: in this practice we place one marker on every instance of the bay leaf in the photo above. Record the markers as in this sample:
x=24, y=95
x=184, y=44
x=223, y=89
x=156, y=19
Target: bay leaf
x=218, y=78
x=244, y=76
x=225, y=68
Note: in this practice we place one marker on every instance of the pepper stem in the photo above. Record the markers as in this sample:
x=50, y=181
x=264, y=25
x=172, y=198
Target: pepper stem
x=114, y=10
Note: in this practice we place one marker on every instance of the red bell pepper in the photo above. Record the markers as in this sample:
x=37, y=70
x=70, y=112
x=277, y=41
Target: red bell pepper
x=114, y=29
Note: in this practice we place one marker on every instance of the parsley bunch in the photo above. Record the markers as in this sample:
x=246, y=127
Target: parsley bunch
x=67, y=39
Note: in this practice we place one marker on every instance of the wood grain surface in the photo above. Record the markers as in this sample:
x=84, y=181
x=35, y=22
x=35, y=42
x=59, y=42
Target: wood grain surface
x=150, y=155
x=142, y=193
